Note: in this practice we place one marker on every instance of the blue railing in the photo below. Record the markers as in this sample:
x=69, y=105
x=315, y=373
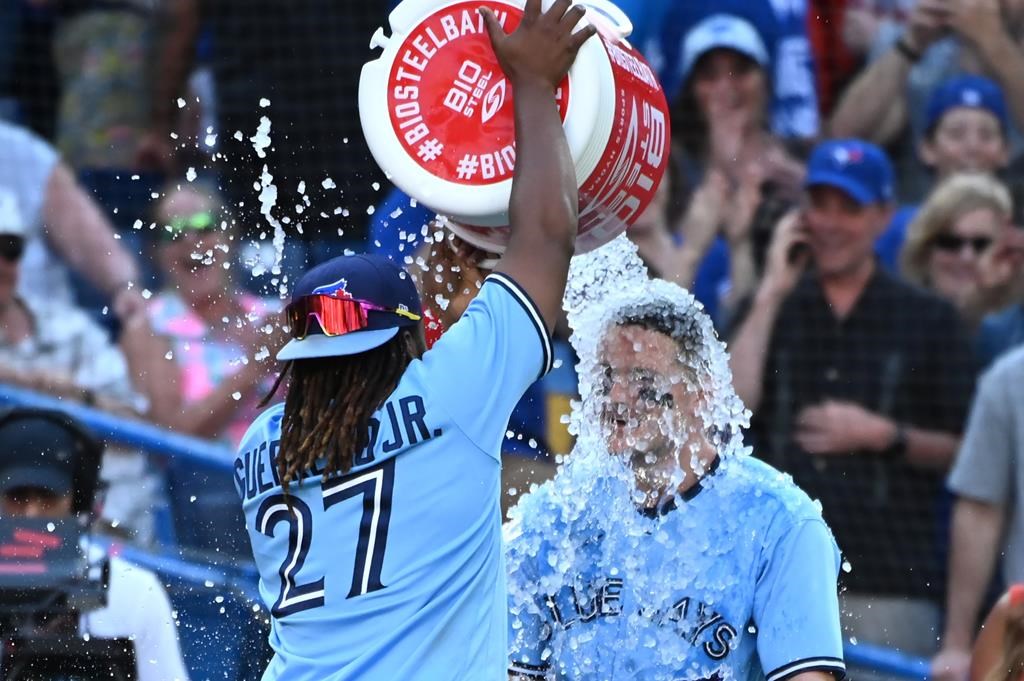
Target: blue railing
x=128, y=432
x=162, y=442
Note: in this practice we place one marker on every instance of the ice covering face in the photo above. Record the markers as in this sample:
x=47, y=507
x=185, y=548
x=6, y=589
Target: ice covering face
x=608, y=289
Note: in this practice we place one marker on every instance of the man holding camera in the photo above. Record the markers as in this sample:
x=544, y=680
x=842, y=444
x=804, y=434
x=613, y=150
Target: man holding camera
x=859, y=385
x=49, y=468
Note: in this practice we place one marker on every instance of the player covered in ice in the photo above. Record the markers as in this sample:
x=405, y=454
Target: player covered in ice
x=662, y=549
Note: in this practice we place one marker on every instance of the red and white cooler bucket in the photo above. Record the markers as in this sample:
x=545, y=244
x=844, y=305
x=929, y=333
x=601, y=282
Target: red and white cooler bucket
x=437, y=114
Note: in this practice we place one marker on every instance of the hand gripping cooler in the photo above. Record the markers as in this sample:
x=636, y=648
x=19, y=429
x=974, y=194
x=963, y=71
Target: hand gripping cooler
x=437, y=114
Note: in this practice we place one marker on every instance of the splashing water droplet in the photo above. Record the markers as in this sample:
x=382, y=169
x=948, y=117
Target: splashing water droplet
x=190, y=174
x=261, y=140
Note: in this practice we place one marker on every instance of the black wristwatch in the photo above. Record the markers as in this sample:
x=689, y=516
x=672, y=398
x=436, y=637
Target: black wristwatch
x=898, y=447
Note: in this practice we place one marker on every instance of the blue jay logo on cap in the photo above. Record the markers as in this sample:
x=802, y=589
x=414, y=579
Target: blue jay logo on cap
x=971, y=97
x=846, y=155
x=336, y=289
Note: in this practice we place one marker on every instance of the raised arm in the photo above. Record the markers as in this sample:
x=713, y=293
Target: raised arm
x=79, y=232
x=749, y=345
x=542, y=210
x=874, y=106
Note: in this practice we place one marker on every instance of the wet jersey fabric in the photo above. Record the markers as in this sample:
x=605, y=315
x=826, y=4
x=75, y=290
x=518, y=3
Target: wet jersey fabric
x=736, y=579
x=395, y=570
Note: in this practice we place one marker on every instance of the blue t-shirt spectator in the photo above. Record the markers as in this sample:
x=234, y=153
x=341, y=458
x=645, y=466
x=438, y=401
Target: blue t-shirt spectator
x=890, y=243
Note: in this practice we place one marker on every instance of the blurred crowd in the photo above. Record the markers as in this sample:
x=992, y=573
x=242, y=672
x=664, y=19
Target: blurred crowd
x=844, y=198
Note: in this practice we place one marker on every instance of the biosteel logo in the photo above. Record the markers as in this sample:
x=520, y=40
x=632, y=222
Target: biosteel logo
x=455, y=118
x=493, y=101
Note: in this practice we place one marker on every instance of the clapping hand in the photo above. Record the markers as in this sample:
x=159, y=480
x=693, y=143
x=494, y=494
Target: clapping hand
x=836, y=427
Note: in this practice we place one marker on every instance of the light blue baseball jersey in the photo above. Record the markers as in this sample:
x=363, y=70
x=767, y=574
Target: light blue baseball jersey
x=395, y=569
x=735, y=580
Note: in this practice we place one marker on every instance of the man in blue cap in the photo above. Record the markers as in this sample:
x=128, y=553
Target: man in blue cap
x=859, y=386
x=371, y=495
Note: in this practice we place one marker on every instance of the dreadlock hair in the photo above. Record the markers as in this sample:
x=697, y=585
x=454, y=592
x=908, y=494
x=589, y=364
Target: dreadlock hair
x=330, y=401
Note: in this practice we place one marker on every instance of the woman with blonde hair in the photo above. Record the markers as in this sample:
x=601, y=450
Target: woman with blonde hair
x=958, y=245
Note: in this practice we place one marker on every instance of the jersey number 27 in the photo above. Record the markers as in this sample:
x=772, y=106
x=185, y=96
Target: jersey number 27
x=374, y=485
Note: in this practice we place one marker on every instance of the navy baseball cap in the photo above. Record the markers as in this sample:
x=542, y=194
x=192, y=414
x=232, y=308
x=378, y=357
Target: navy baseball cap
x=858, y=168
x=973, y=92
x=39, y=454
x=368, y=278
x=722, y=31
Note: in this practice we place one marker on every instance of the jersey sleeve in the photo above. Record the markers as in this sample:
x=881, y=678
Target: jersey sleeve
x=796, y=604
x=482, y=366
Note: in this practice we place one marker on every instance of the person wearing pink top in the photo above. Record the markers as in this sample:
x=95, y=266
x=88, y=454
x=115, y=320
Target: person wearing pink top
x=216, y=334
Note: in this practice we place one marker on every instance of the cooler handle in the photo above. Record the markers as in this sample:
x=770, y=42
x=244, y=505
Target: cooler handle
x=616, y=18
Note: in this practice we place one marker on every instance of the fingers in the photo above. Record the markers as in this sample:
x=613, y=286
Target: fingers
x=494, y=29
x=557, y=10
x=581, y=36
x=532, y=10
x=572, y=17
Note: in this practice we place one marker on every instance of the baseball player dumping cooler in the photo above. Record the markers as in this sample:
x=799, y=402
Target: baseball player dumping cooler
x=372, y=495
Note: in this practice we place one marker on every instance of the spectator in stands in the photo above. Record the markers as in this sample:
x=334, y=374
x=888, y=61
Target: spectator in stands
x=214, y=332
x=48, y=468
x=943, y=38
x=791, y=106
x=957, y=246
x=966, y=131
x=305, y=59
x=100, y=52
x=858, y=385
x=988, y=517
x=721, y=115
x=52, y=347
x=725, y=149
x=58, y=214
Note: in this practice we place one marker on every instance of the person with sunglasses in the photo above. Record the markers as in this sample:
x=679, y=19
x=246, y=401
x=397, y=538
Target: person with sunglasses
x=61, y=219
x=50, y=346
x=371, y=495
x=961, y=246
x=205, y=321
